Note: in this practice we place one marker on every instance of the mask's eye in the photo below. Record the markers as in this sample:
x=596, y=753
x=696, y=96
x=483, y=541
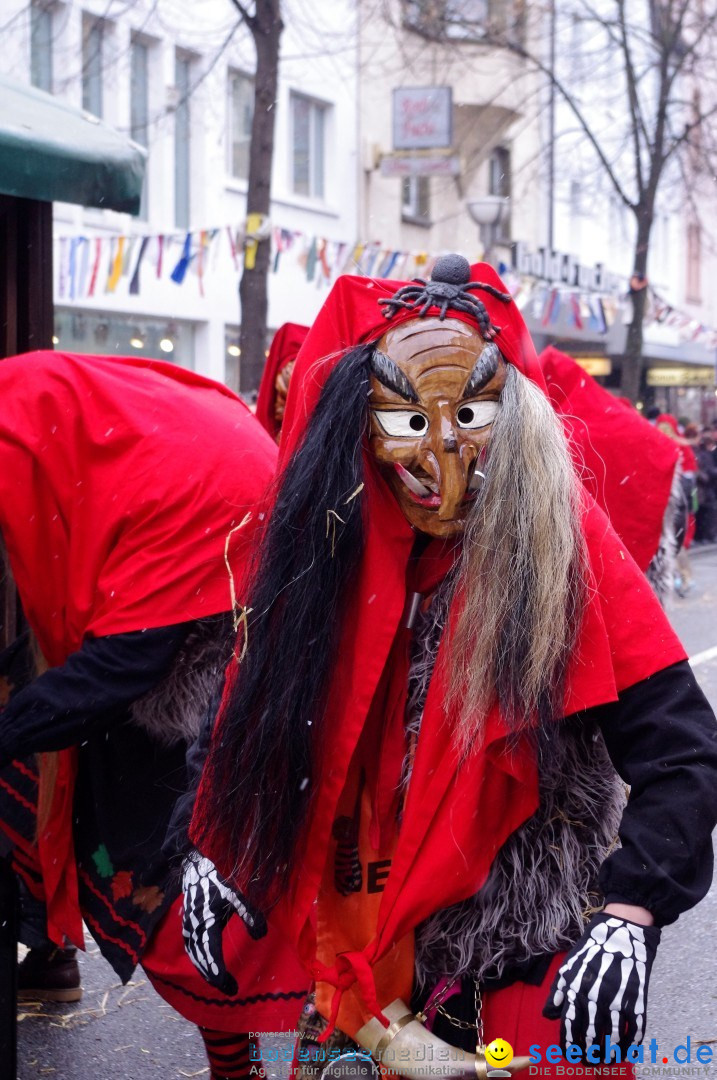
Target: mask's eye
x=402, y=423
x=478, y=414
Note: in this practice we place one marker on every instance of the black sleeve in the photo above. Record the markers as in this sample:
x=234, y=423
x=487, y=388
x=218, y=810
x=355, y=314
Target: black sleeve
x=91, y=690
x=662, y=738
x=177, y=843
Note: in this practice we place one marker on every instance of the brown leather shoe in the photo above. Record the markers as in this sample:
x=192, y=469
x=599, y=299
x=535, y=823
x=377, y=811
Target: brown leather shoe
x=49, y=975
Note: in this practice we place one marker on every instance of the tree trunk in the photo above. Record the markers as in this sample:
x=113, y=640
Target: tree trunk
x=631, y=375
x=266, y=27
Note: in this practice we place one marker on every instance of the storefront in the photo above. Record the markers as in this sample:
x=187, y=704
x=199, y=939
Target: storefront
x=687, y=390
x=568, y=305
x=678, y=376
x=115, y=333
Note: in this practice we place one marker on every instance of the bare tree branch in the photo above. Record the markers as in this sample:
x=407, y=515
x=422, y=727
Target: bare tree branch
x=688, y=130
x=249, y=19
x=636, y=125
x=680, y=49
x=572, y=103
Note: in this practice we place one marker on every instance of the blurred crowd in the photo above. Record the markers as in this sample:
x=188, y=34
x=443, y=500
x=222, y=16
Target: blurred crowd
x=704, y=446
x=699, y=469
x=698, y=478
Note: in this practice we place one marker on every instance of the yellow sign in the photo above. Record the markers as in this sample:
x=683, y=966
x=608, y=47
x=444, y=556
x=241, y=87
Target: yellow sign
x=692, y=375
x=595, y=365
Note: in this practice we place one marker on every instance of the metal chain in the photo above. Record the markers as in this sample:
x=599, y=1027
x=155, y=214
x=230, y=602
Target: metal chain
x=480, y=1041
x=462, y=1025
x=435, y=1002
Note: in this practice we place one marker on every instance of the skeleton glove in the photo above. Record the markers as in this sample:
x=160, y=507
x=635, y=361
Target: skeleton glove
x=601, y=989
x=209, y=903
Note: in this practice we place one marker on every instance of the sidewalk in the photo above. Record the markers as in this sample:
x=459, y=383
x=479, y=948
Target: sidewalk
x=701, y=549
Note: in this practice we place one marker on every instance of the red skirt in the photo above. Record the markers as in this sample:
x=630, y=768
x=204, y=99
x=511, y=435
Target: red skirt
x=516, y=1015
x=272, y=982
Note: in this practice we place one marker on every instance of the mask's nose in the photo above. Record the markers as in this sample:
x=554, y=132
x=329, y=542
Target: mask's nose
x=452, y=471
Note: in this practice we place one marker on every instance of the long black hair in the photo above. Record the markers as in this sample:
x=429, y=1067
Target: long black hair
x=260, y=762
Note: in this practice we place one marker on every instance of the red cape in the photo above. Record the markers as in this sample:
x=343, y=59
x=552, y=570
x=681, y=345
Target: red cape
x=120, y=479
x=441, y=856
x=625, y=463
x=287, y=341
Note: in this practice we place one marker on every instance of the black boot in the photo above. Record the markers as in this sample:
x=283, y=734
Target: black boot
x=49, y=974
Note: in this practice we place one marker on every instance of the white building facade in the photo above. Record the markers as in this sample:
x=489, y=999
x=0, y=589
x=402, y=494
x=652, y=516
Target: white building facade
x=178, y=79
x=592, y=222
x=494, y=139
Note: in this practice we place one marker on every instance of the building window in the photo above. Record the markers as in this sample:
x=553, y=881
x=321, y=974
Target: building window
x=115, y=334
x=416, y=200
x=694, y=263
x=438, y=19
x=139, y=93
x=576, y=199
x=308, y=132
x=182, y=143
x=139, y=105
x=499, y=172
x=92, y=48
x=232, y=358
x=41, y=47
x=499, y=183
x=465, y=20
x=240, y=376
x=241, y=113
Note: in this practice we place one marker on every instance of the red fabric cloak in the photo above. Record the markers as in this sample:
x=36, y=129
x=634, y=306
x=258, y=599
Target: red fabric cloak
x=625, y=463
x=120, y=479
x=457, y=816
x=287, y=341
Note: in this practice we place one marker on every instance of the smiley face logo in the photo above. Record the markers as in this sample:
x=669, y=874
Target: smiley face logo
x=499, y=1053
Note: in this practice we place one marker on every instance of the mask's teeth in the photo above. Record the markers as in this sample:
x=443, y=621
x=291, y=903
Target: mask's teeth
x=410, y=481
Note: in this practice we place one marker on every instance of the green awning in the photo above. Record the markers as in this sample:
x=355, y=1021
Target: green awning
x=53, y=152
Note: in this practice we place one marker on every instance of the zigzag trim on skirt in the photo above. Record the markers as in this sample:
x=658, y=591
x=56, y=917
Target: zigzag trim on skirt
x=281, y=995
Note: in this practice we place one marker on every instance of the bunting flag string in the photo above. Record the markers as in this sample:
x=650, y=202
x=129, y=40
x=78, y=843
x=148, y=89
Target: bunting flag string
x=660, y=313
x=88, y=266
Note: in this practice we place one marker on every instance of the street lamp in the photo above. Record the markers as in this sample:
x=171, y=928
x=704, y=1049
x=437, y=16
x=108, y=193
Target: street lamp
x=489, y=213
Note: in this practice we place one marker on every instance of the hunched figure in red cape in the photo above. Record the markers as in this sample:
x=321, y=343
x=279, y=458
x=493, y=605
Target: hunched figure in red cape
x=128, y=489
x=274, y=385
x=429, y=799
x=632, y=469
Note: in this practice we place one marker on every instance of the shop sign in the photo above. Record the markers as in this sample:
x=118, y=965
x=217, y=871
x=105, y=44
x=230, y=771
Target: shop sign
x=594, y=365
x=420, y=165
x=559, y=267
x=681, y=376
x=422, y=118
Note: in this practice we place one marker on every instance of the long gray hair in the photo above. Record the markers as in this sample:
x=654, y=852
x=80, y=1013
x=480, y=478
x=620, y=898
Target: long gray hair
x=521, y=582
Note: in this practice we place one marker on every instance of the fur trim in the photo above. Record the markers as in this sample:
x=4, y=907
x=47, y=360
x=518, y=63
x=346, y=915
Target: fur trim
x=173, y=710
x=541, y=888
x=661, y=571
x=424, y=650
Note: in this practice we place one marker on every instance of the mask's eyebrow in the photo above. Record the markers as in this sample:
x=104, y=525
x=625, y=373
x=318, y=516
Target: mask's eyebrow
x=485, y=368
x=390, y=375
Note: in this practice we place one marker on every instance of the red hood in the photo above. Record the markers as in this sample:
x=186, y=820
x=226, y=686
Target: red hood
x=351, y=315
x=441, y=857
x=625, y=463
x=287, y=341
x=119, y=481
